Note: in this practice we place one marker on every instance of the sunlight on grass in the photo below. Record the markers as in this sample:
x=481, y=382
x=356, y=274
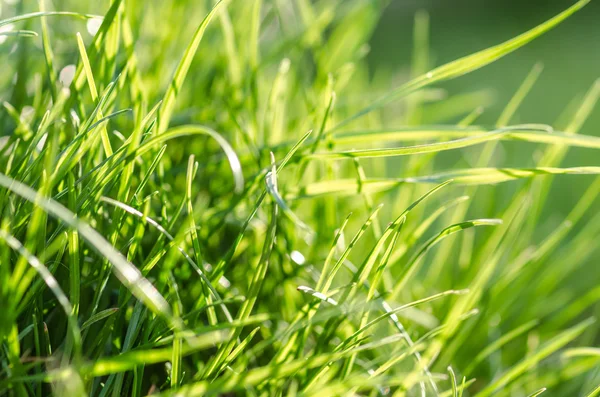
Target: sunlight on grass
x=221, y=198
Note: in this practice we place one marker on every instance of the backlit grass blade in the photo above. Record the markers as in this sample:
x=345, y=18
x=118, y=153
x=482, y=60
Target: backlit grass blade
x=426, y=148
x=537, y=393
x=168, y=103
x=317, y=294
x=94, y=48
x=94, y=92
x=488, y=176
x=20, y=33
x=595, y=392
x=187, y=130
x=453, y=381
x=544, y=135
x=472, y=176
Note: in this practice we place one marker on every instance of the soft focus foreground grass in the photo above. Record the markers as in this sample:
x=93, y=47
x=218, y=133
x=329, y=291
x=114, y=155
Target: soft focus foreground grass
x=199, y=199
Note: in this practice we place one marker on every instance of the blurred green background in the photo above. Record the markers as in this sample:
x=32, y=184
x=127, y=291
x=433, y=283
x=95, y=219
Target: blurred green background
x=570, y=55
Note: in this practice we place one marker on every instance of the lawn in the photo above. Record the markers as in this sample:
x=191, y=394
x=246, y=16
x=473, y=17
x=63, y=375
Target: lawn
x=232, y=198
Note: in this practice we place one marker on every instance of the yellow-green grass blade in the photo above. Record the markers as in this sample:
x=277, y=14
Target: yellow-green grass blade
x=168, y=103
x=87, y=68
x=470, y=176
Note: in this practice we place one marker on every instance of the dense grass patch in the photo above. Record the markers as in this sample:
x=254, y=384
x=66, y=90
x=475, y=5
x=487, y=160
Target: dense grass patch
x=218, y=198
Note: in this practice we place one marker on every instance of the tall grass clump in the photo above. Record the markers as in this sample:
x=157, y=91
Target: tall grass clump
x=217, y=198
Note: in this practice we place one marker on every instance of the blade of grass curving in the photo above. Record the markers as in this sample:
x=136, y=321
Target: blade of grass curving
x=170, y=237
x=93, y=50
x=127, y=273
x=53, y=285
x=471, y=176
x=428, y=148
x=317, y=294
x=399, y=309
x=99, y=317
x=187, y=130
x=464, y=385
x=453, y=382
x=542, y=134
x=39, y=14
x=486, y=176
x=418, y=232
x=414, y=261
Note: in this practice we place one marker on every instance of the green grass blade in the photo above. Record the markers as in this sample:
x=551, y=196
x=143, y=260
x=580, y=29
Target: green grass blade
x=94, y=92
x=426, y=148
x=168, y=103
x=98, y=317
x=129, y=275
x=34, y=15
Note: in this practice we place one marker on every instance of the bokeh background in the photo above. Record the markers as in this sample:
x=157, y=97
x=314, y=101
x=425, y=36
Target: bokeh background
x=570, y=55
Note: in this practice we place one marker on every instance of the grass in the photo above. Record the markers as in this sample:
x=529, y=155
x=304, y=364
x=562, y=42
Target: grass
x=221, y=201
